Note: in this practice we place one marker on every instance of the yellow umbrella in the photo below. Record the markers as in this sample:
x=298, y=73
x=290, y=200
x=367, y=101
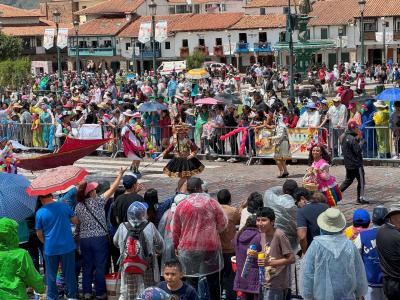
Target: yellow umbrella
x=197, y=74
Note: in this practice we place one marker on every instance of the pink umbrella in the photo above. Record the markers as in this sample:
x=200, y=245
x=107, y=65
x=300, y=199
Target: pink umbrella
x=208, y=101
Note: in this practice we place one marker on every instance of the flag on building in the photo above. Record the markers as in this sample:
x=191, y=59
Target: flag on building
x=48, y=40
x=161, y=31
x=62, y=38
x=144, y=32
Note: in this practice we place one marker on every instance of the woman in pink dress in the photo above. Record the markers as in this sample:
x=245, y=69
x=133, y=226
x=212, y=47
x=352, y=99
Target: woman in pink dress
x=319, y=174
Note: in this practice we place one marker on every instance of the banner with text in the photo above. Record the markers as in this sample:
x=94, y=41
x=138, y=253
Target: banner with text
x=161, y=31
x=144, y=32
x=48, y=40
x=299, y=139
x=62, y=38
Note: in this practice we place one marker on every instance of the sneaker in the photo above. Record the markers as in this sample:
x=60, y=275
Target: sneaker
x=230, y=160
x=233, y=160
x=219, y=159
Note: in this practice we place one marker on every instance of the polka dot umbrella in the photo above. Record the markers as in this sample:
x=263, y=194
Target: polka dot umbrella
x=15, y=203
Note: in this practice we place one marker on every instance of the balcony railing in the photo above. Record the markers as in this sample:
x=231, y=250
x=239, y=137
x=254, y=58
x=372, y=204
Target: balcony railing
x=106, y=51
x=262, y=47
x=396, y=34
x=242, y=47
x=202, y=49
x=369, y=36
x=148, y=53
x=184, y=52
x=218, y=50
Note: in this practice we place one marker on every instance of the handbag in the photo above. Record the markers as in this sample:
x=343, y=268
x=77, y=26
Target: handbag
x=97, y=220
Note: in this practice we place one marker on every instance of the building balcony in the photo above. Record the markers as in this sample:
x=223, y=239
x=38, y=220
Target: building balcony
x=201, y=49
x=242, y=48
x=369, y=36
x=148, y=53
x=218, y=50
x=396, y=34
x=28, y=51
x=262, y=47
x=184, y=52
x=106, y=51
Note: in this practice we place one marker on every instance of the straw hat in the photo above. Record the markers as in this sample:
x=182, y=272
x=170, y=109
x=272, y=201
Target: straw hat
x=190, y=112
x=128, y=113
x=336, y=99
x=331, y=220
x=380, y=104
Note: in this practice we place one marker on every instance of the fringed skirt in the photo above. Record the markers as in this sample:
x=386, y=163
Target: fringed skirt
x=180, y=167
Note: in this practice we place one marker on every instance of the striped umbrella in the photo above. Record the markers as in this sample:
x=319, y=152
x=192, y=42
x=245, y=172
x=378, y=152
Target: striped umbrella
x=197, y=74
x=56, y=179
x=15, y=203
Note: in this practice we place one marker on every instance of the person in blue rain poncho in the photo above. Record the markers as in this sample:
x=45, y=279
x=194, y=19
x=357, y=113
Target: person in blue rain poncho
x=332, y=268
x=368, y=134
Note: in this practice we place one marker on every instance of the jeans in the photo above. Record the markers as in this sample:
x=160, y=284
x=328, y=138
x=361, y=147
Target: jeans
x=228, y=276
x=352, y=174
x=67, y=261
x=213, y=281
x=94, y=251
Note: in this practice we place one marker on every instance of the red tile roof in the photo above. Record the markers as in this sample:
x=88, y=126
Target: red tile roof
x=193, y=1
x=31, y=29
x=112, y=7
x=132, y=30
x=381, y=8
x=268, y=3
x=7, y=11
x=266, y=21
x=102, y=26
x=333, y=12
x=204, y=22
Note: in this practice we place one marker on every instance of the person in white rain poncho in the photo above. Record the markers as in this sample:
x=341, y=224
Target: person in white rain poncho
x=332, y=268
x=310, y=118
x=133, y=284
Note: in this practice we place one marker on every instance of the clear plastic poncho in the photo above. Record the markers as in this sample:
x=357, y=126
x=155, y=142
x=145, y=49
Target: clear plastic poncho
x=285, y=213
x=332, y=269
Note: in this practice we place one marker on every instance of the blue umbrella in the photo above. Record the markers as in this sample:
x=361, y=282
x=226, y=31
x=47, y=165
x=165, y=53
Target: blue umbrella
x=152, y=106
x=14, y=201
x=391, y=94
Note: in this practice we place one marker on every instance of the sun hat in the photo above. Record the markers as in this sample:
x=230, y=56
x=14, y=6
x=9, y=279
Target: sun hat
x=137, y=115
x=128, y=113
x=90, y=187
x=251, y=90
x=314, y=94
x=361, y=217
x=380, y=104
x=190, y=112
x=337, y=99
x=331, y=220
x=393, y=210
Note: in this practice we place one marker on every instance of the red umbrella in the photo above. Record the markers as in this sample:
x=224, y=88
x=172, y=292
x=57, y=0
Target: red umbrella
x=56, y=179
x=208, y=101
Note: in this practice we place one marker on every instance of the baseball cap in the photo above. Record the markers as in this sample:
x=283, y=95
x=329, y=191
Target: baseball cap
x=129, y=180
x=361, y=217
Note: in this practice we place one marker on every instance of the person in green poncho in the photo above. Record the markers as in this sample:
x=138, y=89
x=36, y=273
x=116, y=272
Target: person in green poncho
x=17, y=271
x=202, y=118
x=381, y=119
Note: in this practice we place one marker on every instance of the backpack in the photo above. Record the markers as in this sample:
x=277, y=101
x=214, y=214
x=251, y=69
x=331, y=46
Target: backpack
x=138, y=259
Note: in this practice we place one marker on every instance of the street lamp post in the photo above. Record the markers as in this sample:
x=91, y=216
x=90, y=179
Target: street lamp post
x=339, y=59
x=291, y=71
x=361, y=4
x=384, y=25
x=153, y=11
x=230, y=48
x=133, y=56
x=78, y=64
x=56, y=19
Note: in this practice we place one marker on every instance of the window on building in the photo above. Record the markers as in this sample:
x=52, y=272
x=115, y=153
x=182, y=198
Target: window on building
x=218, y=41
x=185, y=43
x=171, y=10
x=262, y=11
x=107, y=43
x=222, y=7
x=282, y=36
x=324, y=33
x=183, y=9
x=196, y=8
x=286, y=10
x=83, y=44
x=127, y=46
x=396, y=24
x=167, y=45
x=201, y=42
x=84, y=6
x=94, y=44
x=242, y=37
x=262, y=37
x=39, y=41
x=370, y=25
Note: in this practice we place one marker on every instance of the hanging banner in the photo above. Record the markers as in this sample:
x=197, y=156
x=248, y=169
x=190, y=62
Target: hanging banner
x=48, y=40
x=388, y=37
x=144, y=32
x=62, y=38
x=161, y=31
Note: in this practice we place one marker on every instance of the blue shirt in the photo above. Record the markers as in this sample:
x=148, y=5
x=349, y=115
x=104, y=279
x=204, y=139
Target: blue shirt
x=186, y=292
x=53, y=220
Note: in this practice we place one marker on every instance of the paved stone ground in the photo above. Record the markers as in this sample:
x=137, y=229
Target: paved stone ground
x=382, y=183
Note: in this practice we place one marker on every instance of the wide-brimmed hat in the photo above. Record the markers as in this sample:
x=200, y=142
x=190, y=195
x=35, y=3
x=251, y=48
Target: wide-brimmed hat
x=137, y=115
x=251, y=90
x=128, y=113
x=337, y=99
x=314, y=94
x=66, y=113
x=394, y=209
x=380, y=104
x=332, y=220
x=190, y=112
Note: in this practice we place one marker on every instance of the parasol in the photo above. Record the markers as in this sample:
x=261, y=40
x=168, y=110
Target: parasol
x=208, y=101
x=391, y=94
x=197, y=74
x=152, y=106
x=56, y=179
x=15, y=203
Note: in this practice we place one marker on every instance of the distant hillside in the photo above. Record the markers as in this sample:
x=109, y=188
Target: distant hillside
x=22, y=3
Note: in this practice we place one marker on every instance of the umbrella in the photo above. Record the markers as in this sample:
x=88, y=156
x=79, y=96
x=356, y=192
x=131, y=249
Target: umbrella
x=391, y=94
x=197, y=74
x=152, y=106
x=15, y=203
x=228, y=98
x=56, y=179
x=208, y=101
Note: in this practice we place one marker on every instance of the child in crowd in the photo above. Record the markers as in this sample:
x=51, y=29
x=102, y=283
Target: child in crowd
x=207, y=134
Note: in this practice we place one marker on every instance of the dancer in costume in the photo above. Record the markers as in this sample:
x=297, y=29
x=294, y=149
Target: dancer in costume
x=66, y=126
x=8, y=161
x=134, y=139
x=282, y=146
x=318, y=173
x=185, y=163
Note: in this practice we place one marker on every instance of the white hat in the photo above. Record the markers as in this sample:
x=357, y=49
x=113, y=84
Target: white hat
x=380, y=104
x=332, y=220
x=128, y=113
x=251, y=90
x=337, y=99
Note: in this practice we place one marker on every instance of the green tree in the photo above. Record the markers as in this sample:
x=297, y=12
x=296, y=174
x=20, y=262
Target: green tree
x=10, y=47
x=13, y=73
x=195, y=60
